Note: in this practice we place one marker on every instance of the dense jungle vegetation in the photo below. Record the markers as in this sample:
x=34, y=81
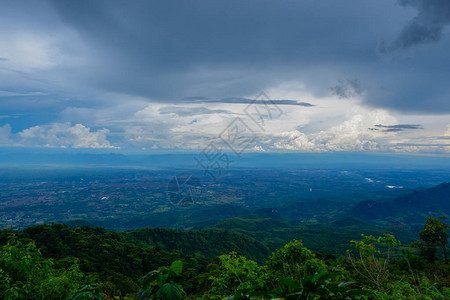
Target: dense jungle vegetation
x=55, y=261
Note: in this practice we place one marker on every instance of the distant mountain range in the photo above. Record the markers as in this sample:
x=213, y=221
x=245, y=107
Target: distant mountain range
x=403, y=216
x=176, y=159
x=407, y=210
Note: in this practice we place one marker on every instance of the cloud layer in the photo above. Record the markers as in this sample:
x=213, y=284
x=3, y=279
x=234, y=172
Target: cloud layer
x=64, y=135
x=171, y=74
x=427, y=26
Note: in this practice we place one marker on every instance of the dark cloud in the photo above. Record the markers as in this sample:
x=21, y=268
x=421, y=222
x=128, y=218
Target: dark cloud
x=400, y=126
x=392, y=130
x=396, y=128
x=426, y=27
x=416, y=80
x=168, y=50
x=247, y=101
x=421, y=145
x=191, y=111
x=347, y=89
x=3, y=59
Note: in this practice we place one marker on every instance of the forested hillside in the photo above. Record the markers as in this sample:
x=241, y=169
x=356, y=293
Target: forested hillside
x=55, y=262
x=407, y=211
x=329, y=238
x=376, y=249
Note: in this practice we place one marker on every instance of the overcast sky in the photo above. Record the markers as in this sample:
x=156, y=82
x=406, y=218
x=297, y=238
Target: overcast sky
x=353, y=75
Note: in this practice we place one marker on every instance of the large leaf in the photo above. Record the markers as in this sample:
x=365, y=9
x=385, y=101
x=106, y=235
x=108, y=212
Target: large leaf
x=87, y=292
x=161, y=279
x=177, y=267
x=171, y=291
x=149, y=278
x=145, y=294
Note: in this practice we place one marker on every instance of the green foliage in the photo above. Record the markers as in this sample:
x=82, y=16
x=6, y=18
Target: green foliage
x=118, y=285
x=324, y=285
x=376, y=268
x=176, y=267
x=211, y=243
x=424, y=290
x=99, y=250
x=119, y=259
x=234, y=274
x=87, y=292
x=426, y=252
x=161, y=283
x=371, y=261
x=435, y=233
x=295, y=262
x=330, y=238
x=25, y=274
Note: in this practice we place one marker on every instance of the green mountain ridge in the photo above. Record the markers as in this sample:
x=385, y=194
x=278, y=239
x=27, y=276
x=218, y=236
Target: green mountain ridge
x=409, y=210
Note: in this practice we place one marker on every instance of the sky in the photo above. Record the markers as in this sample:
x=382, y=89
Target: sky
x=325, y=76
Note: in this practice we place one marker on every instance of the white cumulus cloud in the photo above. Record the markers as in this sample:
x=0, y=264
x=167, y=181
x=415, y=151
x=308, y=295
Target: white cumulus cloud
x=64, y=135
x=351, y=135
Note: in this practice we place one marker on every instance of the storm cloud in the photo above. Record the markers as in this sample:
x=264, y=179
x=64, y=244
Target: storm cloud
x=105, y=63
x=397, y=127
x=169, y=50
x=427, y=27
x=248, y=101
x=191, y=111
x=347, y=89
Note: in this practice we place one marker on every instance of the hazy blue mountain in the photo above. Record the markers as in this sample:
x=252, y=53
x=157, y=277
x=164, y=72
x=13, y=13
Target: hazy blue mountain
x=407, y=210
